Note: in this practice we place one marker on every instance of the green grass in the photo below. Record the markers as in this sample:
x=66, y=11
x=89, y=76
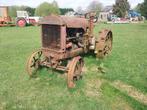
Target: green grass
x=127, y=63
x=128, y=60
x=111, y=95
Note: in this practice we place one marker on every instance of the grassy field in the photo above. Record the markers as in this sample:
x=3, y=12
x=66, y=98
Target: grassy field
x=122, y=87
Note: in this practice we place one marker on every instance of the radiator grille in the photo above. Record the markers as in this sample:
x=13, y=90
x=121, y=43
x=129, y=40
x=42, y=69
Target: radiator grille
x=51, y=36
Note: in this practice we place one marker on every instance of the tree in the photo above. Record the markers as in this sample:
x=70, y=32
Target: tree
x=30, y=10
x=121, y=7
x=143, y=8
x=45, y=9
x=63, y=11
x=95, y=6
x=137, y=8
x=14, y=9
x=55, y=4
x=79, y=10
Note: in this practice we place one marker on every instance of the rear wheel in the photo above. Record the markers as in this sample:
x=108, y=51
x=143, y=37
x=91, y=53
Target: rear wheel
x=21, y=22
x=104, y=44
x=74, y=72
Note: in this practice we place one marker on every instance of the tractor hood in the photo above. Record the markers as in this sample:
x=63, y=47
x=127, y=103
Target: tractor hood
x=70, y=22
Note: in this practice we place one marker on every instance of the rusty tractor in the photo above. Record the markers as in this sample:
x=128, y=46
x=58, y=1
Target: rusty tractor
x=64, y=40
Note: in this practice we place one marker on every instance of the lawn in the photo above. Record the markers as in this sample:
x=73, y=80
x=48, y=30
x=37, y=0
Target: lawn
x=123, y=86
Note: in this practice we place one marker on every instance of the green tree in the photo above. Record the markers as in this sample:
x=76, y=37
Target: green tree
x=46, y=8
x=121, y=7
x=14, y=9
x=55, y=6
x=65, y=10
x=143, y=8
x=30, y=10
x=137, y=8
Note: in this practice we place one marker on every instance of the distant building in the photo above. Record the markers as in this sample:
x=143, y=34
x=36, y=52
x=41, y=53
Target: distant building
x=105, y=14
x=3, y=11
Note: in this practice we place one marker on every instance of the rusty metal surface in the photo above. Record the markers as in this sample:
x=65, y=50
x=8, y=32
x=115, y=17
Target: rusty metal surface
x=51, y=36
x=74, y=71
x=63, y=38
x=104, y=43
x=33, y=63
x=60, y=55
x=71, y=22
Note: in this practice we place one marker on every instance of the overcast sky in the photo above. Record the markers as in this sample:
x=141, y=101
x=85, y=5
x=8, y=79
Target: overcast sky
x=63, y=3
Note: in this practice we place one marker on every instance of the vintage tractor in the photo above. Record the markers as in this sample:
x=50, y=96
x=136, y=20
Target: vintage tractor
x=24, y=19
x=64, y=40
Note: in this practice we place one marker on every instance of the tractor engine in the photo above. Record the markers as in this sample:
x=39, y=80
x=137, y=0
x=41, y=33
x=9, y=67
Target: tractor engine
x=74, y=38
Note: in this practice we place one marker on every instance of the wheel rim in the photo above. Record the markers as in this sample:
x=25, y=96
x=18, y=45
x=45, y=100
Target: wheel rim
x=104, y=45
x=75, y=72
x=108, y=45
x=78, y=71
x=33, y=63
x=21, y=23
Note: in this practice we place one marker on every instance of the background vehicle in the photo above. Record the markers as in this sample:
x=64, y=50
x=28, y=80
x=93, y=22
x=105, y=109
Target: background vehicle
x=24, y=19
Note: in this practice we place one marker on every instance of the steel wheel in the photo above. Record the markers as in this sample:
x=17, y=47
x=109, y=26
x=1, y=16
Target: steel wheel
x=104, y=44
x=33, y=63
x=74, y=71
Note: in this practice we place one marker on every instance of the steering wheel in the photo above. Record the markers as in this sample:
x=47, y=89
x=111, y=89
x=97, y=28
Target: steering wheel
x=95, y=19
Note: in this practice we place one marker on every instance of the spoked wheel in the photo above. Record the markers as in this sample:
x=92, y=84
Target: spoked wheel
x=33, y=63
x=74, y=72
x=104, y=44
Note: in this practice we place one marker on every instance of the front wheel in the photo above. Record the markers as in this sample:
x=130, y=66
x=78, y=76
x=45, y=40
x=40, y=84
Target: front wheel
x=33, y=63
x=74, y=72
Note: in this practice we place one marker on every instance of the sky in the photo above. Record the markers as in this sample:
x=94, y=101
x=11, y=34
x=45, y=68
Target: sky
x=64, y=3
